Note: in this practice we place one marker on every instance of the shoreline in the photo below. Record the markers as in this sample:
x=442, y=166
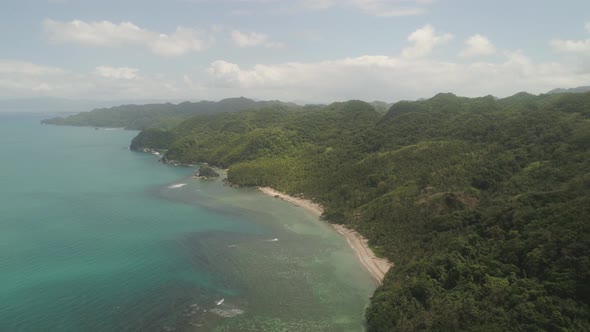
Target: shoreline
x=376, y=266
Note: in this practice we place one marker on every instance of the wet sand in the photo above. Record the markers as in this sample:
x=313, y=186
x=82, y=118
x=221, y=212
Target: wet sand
x=376, y=266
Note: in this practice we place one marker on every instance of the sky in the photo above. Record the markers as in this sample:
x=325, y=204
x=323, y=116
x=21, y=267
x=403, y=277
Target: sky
x=298, y=50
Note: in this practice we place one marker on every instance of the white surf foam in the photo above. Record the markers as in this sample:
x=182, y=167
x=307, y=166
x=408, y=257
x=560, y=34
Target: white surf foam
x=228, y=313
x=176, y=186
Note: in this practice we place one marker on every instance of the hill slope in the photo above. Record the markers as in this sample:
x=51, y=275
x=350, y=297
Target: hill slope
x=482, y=204
x=157, y=115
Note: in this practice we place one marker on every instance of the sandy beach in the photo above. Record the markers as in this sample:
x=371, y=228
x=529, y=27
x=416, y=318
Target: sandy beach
x=375, y=265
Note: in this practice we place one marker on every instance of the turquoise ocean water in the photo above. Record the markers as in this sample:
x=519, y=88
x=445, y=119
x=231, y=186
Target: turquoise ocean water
x=94, y=237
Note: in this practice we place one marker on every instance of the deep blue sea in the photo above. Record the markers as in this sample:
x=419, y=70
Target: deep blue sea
x=95, y=237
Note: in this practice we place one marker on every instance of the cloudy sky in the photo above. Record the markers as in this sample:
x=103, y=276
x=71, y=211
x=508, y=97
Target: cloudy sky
x=296, y=50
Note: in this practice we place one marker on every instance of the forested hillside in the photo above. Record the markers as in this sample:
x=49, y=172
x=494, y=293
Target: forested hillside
x=483, y=204
x=164, y=116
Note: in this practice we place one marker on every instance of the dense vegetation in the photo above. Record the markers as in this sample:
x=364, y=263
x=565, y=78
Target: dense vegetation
x=163, y=116
x=153, y=138
x=206, y=172
x=483, y=203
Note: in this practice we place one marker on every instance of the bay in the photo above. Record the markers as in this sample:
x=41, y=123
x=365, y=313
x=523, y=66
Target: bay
x=94, y=237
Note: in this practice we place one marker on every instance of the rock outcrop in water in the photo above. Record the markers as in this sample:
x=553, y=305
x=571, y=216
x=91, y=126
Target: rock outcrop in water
x=206, y=172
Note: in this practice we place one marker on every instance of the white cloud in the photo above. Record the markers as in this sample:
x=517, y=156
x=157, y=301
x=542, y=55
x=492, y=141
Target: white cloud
x=109, y=34
x=27, y=68
x=389, y=78
x=229, y=74
x=571, y=46
x=24, y=79
x=381, y=8
x=245, y=39
x=478, y=45
x=319, y=4
x=43, y=87
x=252, y=39
x=390, y=8
x=409, y=75
x=581, y=46
x=241, y=12
x=424, y=40
x=366, y=77
x=116, y=73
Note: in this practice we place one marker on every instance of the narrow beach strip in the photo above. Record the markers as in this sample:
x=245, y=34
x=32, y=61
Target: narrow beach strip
x=376, y=266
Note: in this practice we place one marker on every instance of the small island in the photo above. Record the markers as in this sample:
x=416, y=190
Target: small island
x=205, y=172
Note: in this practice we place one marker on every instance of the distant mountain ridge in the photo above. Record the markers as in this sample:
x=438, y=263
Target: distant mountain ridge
x=159, y=115
x=580, y=89
x=53, y=105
